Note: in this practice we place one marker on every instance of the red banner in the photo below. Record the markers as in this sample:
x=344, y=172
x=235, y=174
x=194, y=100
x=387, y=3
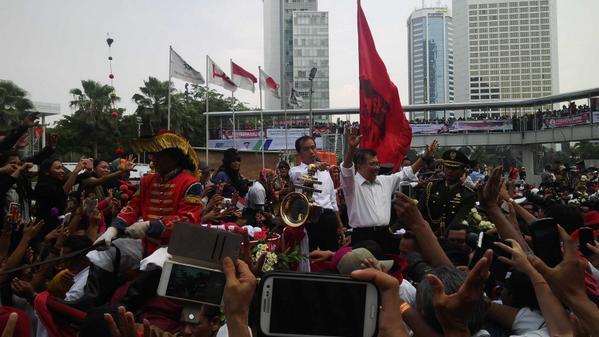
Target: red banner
x=228, y=134
x=558, y=122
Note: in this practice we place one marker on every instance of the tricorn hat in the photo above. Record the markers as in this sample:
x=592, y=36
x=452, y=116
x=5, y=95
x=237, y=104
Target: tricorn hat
x=169, y=140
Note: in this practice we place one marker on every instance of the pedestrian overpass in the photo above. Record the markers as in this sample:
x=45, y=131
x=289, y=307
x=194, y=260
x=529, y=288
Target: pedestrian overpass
x=524, y=140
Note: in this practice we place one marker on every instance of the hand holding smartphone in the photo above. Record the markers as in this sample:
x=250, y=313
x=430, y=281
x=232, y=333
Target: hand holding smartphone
x=310, y=305
x=546, y=241
x=585, y=235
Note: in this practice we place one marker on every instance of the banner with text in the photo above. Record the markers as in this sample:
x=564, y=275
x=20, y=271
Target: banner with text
x=253, y=144
x=557, y=122
x=485, y=125
x=228, y=134
x=428, y=128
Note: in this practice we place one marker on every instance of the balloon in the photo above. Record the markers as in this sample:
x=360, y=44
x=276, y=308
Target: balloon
x=111, y=76
x=124, y=196
x=115, y=114
x=123, y=188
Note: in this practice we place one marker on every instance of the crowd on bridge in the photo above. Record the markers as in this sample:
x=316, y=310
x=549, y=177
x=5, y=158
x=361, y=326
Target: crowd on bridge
x=455, y=248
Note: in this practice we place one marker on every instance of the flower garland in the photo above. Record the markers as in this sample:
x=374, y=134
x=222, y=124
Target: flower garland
x=476, y=223
x=276, y=261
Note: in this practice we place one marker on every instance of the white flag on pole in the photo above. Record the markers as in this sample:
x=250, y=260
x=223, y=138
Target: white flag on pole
x=242, y=78
x=270, y=84
x=217, y=76
x=183, y=71
x=295, y=98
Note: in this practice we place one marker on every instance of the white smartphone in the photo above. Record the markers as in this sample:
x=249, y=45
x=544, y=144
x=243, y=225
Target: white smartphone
x=317, y=306
x=187, y=282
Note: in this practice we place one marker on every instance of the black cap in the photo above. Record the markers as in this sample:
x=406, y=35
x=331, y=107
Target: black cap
x=455, y=158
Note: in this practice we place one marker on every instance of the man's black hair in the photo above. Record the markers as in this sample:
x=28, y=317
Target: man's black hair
x=301, y=140
x=362, y=155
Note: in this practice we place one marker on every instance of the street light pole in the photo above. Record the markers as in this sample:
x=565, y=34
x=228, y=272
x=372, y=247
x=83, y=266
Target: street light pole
x=311, y=79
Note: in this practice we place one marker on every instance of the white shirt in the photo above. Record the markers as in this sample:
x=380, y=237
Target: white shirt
x=77, y=289
x=327, y=199
x=256, y=196
x=369, y=204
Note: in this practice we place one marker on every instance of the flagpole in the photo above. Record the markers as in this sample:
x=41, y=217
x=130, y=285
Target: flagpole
x=233, y=106
x=261, y=113
x=168, y=116
x=207, y=106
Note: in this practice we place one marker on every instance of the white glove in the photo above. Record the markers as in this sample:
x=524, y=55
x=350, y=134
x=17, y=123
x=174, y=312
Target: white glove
x=109, y=235
x=138, y=230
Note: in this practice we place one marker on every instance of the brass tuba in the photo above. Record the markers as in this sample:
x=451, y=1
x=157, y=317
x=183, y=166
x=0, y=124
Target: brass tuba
x=298, y=207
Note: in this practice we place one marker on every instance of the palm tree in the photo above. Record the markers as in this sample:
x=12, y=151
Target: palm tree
x=13, y=103
x=152, y=106
x=95, y=104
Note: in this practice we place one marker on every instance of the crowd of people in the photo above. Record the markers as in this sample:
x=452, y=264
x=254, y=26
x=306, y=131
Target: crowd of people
x=78, y=249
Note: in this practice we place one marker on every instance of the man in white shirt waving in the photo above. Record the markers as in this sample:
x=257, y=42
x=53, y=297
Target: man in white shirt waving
x=322, y=233
x=368, y=195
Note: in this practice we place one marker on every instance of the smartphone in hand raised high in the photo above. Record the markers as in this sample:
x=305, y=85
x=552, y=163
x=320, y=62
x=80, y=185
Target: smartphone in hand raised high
x=585, y=235
x=546, y=241
x=310, y=305
x=193, y=283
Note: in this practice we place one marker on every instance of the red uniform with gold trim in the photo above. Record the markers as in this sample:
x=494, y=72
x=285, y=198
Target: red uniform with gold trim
x=162, y=202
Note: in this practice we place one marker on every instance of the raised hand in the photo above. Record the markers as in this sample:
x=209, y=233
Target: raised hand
x=239, y=290
x=407, y=209
x=429, y=152
x=352, y=137
x=390, y=321
x=453, y=311
x=9, y=169
x=567, y=278
x=519, y=260
x=130, y=163
x=22, y=288
x=246, y=256
x=489, y=194
x=32, y=228
x=125, y=325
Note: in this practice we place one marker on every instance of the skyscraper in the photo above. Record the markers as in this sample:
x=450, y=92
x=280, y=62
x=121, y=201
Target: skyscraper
x=430, y=55
x=505, y=49
x=294, y=45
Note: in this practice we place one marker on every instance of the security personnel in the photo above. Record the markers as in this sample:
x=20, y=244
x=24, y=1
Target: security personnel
x=447, y=201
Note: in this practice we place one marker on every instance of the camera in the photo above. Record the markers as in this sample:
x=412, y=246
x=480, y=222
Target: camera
x=538, y=199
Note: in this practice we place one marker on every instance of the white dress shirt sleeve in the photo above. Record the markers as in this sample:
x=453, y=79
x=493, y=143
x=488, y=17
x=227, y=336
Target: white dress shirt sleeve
x=347, y=179
x=295, y=173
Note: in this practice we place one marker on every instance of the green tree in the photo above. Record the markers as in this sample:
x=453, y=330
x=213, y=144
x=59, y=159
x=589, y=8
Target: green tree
x=93, y=115
x=13, y=104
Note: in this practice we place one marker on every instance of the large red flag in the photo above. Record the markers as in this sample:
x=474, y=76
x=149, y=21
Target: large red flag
x=383, y=124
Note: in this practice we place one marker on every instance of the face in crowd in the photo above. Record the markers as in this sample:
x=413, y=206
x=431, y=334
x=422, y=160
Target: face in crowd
x=307, y=151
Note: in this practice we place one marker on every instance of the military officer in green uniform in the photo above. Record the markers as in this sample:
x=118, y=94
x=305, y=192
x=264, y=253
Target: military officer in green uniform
x=447, y=201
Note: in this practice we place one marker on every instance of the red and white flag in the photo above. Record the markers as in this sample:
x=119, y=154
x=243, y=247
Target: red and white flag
x=383, y=123
x=269, y=84
x=217, y=76
x=242, y=78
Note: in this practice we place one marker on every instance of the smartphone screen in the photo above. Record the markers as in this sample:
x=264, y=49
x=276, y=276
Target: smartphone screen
x=313, y=307
x=546, y=241
x=406, y=189
x=498, y=270
x=195, y=283
x=585, y=235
